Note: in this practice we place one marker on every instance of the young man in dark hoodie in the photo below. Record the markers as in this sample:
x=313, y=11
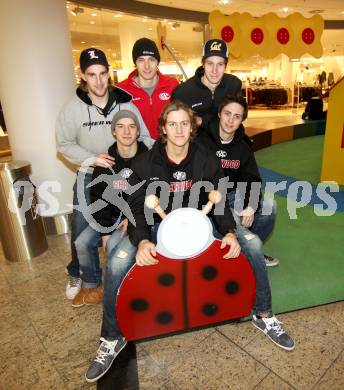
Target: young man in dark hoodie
x=107, y=187
x=254, y=218
x=226, y=137
x=204, y=92
x=83, y=137
x=177, y=163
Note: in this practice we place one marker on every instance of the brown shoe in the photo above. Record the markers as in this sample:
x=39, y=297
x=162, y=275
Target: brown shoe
x=88, y=296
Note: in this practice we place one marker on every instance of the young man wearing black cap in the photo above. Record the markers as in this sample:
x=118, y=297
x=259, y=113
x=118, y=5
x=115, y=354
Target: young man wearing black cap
x=150, y=89
x=204, y=91
x=83, y=137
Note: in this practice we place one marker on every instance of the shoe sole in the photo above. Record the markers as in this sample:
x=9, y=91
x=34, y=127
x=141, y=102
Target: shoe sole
x=271, y=264
x=279, y=345
x=103, y=373
x=79, y=305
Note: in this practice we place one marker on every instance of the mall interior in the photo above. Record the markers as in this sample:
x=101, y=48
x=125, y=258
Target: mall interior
x=48, y=344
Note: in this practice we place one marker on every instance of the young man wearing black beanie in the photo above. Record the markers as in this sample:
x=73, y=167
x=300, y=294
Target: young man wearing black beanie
x=150, y=89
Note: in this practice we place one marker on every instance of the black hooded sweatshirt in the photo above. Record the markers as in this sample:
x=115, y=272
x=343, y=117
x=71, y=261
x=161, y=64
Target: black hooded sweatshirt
x=201, y=99
x=116, y=177
x=178, y=180
x=236, y=158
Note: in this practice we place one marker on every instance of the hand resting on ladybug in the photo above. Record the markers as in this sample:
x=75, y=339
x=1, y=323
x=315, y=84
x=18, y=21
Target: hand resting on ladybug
x=146, y=253
x=231, y=240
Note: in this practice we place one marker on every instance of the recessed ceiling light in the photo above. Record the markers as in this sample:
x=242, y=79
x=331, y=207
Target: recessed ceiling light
x=83, y=42
x=224, y=2
x=150, y=29
x=92, y=22
x=94, y=14
x=284, y=9
x=118, y=16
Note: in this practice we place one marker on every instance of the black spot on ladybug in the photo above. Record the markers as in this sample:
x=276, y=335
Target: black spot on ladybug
x=209, y=272
x=164, y=317
x=210, y=309
x=166, y=279
x=232, y=287
x=139, y=305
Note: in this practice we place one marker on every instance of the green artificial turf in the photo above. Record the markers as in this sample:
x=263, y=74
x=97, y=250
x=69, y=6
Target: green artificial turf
x=310, y=249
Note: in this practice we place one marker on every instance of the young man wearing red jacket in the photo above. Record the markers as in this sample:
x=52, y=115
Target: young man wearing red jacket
x=151, y=90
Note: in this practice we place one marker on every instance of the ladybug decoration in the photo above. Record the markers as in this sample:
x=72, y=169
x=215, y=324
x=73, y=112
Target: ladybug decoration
x=257, y=35
x=191, y=286
x=283, y=36
x=227, y=34
x=308, y=36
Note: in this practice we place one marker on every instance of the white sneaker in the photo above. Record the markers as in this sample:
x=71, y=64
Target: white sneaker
x=73, y=287
x=270, y=261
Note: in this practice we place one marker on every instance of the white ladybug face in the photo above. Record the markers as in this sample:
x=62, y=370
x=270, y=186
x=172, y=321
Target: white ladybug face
x=184, y=233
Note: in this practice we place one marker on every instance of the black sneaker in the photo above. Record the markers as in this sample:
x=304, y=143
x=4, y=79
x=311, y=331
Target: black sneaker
x=106, y=354
x=272, y=328
x=270, y=261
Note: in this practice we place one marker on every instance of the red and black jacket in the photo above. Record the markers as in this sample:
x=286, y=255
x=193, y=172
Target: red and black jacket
x=150, y=107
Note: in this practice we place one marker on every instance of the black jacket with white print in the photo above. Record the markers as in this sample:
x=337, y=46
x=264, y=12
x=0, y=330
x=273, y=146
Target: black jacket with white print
x=237, y=158
x=179, y=182
x=114, y=181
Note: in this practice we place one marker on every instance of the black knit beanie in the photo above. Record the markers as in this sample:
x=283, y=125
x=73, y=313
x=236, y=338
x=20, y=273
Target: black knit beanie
x=145, y=47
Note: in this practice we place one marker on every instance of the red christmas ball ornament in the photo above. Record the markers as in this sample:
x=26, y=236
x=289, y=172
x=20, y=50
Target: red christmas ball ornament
x=257, y=35
x=283, y=36
x=227, y=33
x=308, y=36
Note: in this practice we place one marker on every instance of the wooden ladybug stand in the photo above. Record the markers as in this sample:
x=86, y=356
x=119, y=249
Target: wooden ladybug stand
x=191, y=286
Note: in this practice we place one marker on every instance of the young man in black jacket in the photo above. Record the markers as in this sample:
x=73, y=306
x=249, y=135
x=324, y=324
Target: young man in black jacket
x=107, y=190
x=204, y=92
x=254, y=218
x=178, y=163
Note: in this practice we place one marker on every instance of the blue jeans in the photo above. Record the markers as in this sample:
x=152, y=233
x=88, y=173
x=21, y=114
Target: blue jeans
x=88, y=241
x=251, y=242
x=120, y=258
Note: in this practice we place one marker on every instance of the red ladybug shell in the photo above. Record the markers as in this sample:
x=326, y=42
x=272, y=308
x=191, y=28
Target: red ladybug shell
x=177, y=295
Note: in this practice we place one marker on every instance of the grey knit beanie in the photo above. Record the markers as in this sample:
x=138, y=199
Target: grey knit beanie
x=124, y=114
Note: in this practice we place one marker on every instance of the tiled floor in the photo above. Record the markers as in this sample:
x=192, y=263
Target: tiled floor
x=47, y=344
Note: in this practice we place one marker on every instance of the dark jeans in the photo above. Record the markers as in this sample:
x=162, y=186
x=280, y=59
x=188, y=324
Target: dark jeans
x=251, y=242
x=88, y=243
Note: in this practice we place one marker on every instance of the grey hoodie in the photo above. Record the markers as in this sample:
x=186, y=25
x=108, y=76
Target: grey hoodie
x=83, y=130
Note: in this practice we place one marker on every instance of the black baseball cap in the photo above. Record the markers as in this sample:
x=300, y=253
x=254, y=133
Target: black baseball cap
x=215, y=47
x=92, y=56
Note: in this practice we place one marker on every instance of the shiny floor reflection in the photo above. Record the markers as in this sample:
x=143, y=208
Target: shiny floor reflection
x=48, y=344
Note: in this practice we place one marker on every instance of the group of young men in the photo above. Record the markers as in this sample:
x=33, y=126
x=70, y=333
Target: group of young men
x=194, y=128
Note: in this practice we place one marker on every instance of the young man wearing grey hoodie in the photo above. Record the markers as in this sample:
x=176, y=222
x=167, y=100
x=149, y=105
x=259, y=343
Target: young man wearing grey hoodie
x=83, y=133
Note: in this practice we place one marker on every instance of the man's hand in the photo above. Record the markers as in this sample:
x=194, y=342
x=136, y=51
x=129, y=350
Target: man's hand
x=104, y=160
x=231, y=240
x=146, y=253
x=123, y=226
x=247, y=217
